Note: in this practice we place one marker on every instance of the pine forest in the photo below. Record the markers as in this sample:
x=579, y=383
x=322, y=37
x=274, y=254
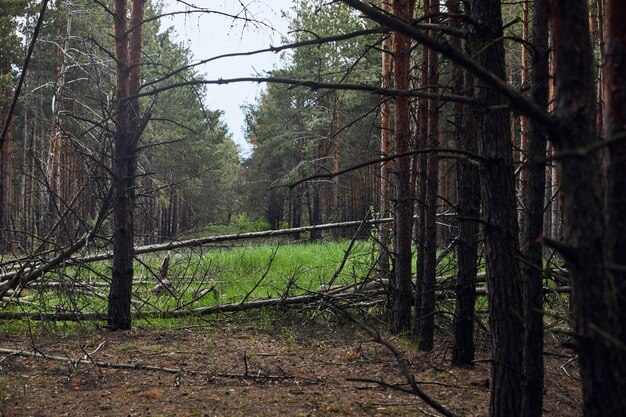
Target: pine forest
x=313, y=208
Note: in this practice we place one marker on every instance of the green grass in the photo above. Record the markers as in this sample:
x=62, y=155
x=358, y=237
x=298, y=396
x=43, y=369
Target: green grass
x=207, y=277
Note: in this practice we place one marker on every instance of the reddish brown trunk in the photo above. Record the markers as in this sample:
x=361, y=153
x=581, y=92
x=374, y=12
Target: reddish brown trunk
x=615, y=132
x=385, y=149
x=401, y=292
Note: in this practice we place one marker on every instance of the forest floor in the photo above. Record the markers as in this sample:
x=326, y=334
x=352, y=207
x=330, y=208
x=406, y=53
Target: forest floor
x=251, y=367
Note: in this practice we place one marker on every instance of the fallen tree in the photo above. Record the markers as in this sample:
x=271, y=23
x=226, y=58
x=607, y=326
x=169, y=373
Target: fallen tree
x=373, y=293
x=35, y=270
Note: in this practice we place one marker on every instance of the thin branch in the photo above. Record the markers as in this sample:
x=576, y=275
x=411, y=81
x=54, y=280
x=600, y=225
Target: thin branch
x=458, y=152
x=313, y=85
x=138, y=366
x=272, y=49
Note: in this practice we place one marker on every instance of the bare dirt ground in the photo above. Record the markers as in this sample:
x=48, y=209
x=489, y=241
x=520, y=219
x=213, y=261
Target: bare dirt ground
x=250, y=368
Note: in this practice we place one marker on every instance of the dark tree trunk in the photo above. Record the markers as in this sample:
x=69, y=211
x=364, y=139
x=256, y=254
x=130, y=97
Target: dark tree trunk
x=295, y=217
x=501, y=229
x=427, y=328
x=420, y=190
x=615, y=132
x=336, y=164
x=316, y=213
x=533, y=198
x=584, y=232
x=128, y=54
x=401, y=292
x=274, y=210
x=468, y=210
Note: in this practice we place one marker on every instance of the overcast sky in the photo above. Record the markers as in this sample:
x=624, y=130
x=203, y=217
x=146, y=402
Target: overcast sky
x=210, y=34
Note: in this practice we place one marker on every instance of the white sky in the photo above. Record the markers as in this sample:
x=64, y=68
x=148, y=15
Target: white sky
x=208, y=35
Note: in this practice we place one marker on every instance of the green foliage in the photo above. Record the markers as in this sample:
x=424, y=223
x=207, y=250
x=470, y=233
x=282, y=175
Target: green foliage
x=188, y=162
x=292, y=130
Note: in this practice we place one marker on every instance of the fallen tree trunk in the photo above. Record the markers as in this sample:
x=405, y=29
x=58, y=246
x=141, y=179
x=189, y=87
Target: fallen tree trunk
x=300, y=300
x=37, y=270
x=140, y=366
x=192, y=243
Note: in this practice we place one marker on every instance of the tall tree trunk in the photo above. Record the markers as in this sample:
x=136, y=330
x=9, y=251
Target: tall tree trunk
x=615, y=133
x=533, y=198
x=468, y=210
x=385, y=149
x=427, y=328
x=295, y=215
x=501, y=229
x=524, y=128
x=336, y=163
x=420, y=191
x=584, y=232
x=6, y=169
x=401, y=303
x=128, y=130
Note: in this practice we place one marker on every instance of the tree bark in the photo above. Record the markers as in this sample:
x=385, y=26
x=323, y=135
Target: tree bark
x=427, y=328
x=128, y=130
x=501, y=229
x=584, y=233
x=615, y=133
x=420, y=190
x=336, y=162
x=401, y=303
x=533, y=198
x=6, y=168
x=385, y=150
x=468, y=210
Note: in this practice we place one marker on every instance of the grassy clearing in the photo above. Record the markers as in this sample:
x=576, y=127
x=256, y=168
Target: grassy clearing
x=207, y=277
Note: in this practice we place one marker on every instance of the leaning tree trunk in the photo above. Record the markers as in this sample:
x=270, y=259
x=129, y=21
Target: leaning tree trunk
x=498, y=195
x=533, y=197
x=615, y=132
x=401, y=292
x=128, y=130
x=584, y=232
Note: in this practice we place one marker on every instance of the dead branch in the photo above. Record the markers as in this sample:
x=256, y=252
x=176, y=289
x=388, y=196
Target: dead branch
x=312, y=85
x=25, y=275
x=401, y=360
x=142, y=367
x=300, y=300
